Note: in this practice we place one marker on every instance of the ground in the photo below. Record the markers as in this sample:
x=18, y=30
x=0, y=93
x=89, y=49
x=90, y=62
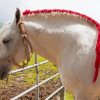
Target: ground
x=21, y=81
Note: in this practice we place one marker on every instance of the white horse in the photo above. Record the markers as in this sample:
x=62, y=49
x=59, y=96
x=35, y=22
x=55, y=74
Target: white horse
x=67, y=40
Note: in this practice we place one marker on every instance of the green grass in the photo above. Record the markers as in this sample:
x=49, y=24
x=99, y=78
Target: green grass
x=29, y=76
x=69, y=96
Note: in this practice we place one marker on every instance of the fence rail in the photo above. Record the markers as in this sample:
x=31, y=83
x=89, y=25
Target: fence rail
x=59, y=90
x=55, y=92
x=28, y=67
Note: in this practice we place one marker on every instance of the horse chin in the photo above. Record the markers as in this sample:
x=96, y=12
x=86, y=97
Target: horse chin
x=4, y=70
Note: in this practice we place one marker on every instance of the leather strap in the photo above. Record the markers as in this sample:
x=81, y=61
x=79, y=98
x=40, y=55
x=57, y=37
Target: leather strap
x=27, y=48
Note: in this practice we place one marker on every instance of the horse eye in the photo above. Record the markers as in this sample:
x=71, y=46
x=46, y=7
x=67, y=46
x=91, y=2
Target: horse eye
x=5, y=41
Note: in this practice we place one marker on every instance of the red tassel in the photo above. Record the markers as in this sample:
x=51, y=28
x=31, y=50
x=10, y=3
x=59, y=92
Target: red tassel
x=95, y=75
x=97, y=62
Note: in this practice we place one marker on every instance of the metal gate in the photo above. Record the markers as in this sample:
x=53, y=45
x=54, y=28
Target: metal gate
x=36, y=65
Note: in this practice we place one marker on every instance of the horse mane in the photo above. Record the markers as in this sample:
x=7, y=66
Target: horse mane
x=48, y=12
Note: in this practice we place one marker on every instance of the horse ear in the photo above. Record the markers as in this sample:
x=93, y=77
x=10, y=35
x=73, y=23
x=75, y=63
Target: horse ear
x=17, y=15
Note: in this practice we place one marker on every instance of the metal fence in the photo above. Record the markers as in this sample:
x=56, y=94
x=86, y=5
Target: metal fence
x=36, y=65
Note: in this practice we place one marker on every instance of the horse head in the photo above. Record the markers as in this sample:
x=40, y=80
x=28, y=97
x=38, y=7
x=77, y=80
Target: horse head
x=11, y=45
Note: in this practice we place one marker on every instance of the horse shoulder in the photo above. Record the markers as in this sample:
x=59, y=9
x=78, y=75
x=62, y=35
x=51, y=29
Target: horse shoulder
x=78, y=57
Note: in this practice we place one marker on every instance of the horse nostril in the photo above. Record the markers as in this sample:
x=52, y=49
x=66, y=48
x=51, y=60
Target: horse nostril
x=4, y=70
x=3, y=75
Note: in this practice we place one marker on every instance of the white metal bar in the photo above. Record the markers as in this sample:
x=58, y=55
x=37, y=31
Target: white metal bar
x=33, y=87
x=54, y=93
x=28, y=67
x=23, y=93
x=48, y=79
x=37, y=76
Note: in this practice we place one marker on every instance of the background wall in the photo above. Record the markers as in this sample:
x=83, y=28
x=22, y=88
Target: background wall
x=88, y=7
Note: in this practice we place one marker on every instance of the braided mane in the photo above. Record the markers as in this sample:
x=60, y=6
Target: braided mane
x=76, y=14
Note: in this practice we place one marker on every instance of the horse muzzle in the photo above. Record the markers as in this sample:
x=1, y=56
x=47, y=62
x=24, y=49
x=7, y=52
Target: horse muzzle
x=4, y=70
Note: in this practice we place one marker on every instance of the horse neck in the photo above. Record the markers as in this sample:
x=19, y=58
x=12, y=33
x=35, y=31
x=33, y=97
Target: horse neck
x=51, y=40
x=44, y=43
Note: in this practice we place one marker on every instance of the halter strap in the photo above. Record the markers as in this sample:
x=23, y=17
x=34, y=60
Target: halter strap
x=27, y=45
x=27, y=48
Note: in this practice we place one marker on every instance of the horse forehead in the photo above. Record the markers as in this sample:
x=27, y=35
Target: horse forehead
x=4, y=34
x=3, y=31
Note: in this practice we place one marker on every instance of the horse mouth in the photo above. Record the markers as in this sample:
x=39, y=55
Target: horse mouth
x=3, y=75
x=4, y=71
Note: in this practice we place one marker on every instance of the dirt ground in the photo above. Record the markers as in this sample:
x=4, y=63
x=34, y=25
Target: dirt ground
x=9, y=91
x=22, y=81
